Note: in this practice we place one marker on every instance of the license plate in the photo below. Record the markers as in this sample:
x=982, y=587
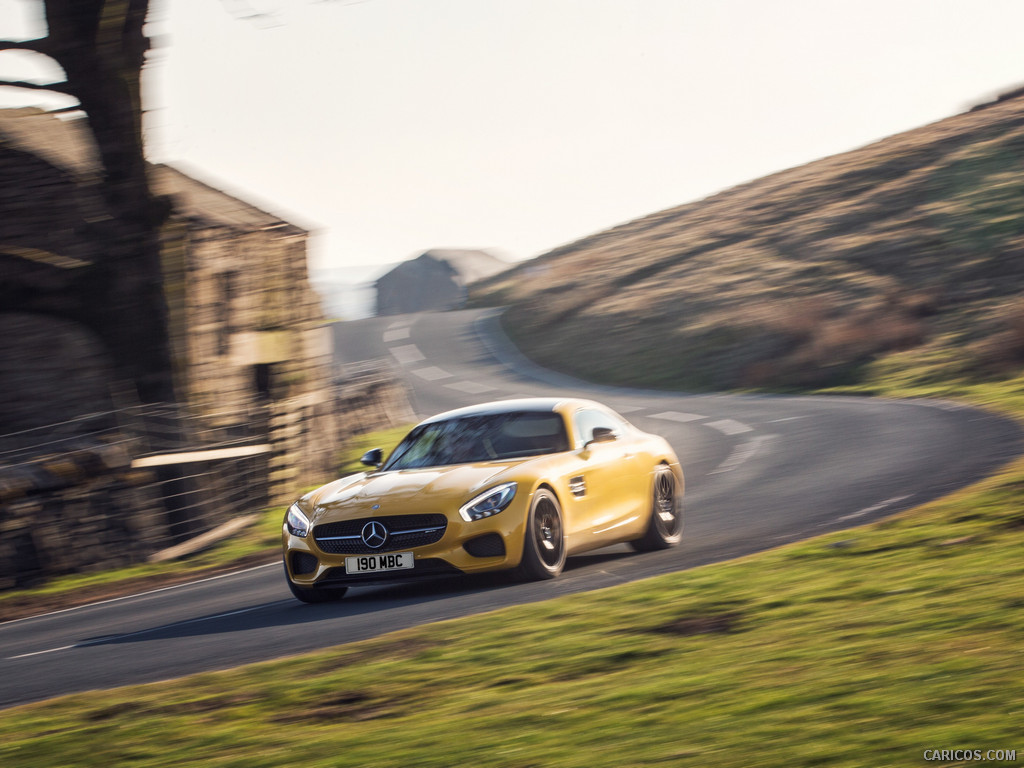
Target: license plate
x=393, y=561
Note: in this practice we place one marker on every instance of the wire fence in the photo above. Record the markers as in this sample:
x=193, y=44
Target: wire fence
x=113, y=488
x=124, y=486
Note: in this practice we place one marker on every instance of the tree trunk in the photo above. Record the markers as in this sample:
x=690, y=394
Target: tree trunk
x=101, y=46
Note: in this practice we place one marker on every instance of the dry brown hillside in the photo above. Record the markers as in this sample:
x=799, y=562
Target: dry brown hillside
x=912, y=246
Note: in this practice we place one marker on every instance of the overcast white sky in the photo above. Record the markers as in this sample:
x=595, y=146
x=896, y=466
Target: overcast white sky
x=394, y=126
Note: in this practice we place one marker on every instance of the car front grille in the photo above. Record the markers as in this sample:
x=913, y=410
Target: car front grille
x=404, y=532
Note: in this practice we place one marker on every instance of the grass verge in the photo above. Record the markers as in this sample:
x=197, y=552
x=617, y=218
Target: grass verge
x=252, y=546
x=257, y=544
x=861, y=648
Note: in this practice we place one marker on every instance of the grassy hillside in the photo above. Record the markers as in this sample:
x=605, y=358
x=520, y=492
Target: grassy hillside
x=911, y=247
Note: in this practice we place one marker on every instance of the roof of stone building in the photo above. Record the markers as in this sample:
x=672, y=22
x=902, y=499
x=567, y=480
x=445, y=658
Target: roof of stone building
x=202, y=202
x=468, y=265
x=471, y=265
x=66, y=144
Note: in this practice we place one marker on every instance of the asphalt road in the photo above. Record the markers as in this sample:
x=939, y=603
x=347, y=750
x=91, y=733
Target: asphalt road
x=761, y=471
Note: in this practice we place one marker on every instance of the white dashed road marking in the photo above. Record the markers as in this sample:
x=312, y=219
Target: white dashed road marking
x=407, y=353
x=942, y=405
x=396, y=334
x=432, y=373
x=873, y=508
x=173, y=587
x=470, y=387
x=40, y=653
x=114, y=638
x=730, y=427
x=740, y=454
x=678, y=416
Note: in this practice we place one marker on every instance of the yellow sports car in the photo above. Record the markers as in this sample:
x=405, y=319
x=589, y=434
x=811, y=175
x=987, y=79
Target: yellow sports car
x=515, y=484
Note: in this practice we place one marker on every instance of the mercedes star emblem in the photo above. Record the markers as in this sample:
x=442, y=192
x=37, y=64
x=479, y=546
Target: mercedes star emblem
x=374, y=534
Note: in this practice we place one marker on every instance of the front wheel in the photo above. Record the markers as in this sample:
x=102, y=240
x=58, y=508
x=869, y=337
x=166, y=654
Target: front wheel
x=314, y=595
x=665, y=528
x=544, y=545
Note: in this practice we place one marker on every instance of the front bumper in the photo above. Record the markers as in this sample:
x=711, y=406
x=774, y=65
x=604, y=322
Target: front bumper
x=491, y=544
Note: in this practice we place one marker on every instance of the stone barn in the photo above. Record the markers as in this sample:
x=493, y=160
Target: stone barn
x=246, y=327
x=434, y=281
x=253, y=363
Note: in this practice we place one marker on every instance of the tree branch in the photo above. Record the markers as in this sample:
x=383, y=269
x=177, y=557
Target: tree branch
x=62, y=88
x=38, y=45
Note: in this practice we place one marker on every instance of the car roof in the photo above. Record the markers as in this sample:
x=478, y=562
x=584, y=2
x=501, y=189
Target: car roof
x=519, y=405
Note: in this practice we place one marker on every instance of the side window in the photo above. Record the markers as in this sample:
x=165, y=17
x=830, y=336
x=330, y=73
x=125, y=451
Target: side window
x=588, y=419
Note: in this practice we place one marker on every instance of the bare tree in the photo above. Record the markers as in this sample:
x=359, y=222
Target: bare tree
x=101, y=46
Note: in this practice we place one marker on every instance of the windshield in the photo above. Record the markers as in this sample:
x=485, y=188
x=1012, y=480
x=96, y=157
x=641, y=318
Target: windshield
x=470, y=439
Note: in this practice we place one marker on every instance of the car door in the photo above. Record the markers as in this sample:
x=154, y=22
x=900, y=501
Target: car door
x=609, y=482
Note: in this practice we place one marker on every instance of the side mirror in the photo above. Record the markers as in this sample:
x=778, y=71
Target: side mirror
x=600, y=435
x=373, y=458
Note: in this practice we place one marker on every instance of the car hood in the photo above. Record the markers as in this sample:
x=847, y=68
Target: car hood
x=397, y=490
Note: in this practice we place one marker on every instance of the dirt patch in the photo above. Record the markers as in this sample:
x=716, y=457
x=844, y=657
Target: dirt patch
x=190, y=707
x=401, y=648
x=350, y=706
x=706, y=624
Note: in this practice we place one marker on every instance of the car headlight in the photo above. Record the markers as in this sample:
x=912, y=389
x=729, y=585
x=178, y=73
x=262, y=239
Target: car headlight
x=297, y=522
x=488, y=503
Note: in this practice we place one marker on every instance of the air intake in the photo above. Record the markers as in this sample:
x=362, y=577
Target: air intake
x=303, y=563
x=488, y=545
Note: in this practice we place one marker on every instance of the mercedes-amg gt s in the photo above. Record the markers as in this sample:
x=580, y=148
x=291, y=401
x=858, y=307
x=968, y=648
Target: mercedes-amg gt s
x=515, y=484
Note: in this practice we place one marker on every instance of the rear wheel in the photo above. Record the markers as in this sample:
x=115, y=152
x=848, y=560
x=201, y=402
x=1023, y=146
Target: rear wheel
x=665, y=528
x=314, y=594
x=544, y=545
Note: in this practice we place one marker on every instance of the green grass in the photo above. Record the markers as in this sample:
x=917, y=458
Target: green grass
x=914, y=374
x=861, y=648
x=258, y=542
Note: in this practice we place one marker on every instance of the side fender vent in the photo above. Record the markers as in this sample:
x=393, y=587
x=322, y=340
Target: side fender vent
x=578, y=486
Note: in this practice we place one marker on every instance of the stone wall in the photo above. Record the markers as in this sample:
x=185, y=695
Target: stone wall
x=81, y=510
x=84, y=506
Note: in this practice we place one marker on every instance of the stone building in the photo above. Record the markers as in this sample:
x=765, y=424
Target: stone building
x=251, y=352
x=435, y=280
x=247, y=328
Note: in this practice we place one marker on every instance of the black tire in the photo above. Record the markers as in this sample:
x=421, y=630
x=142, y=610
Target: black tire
x=544, y=544
x=665, y=528
x=314, y=594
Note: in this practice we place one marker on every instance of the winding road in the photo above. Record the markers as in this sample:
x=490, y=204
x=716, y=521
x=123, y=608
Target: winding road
x=761, y=471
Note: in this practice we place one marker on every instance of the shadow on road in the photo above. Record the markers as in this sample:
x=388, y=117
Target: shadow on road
x=480, y=592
